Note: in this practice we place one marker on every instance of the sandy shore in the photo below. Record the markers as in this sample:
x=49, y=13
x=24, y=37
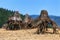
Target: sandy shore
x=27, y=35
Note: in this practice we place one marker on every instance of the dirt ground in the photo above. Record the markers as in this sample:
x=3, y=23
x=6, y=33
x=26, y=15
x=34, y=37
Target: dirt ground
x=27, y=34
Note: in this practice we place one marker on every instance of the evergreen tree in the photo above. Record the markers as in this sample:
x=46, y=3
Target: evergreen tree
x=4, y=14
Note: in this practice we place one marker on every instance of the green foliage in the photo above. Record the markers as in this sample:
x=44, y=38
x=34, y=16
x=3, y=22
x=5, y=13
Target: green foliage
x=49, y=26
x=22, y=16
x=4, y=14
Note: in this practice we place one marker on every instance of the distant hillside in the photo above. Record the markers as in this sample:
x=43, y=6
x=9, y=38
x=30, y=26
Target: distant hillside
x=4, y=14
x=55, y=18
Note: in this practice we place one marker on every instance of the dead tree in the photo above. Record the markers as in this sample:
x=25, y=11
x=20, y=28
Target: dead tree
x=14, y=22
x=28, y=21
x=43, y=22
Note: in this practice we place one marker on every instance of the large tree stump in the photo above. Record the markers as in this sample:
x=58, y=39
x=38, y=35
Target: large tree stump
x=43, y=26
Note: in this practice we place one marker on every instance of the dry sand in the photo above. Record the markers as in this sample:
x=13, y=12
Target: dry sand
x=27, y=35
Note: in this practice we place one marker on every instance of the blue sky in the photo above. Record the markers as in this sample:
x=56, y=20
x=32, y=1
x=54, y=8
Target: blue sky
x=32, y=7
